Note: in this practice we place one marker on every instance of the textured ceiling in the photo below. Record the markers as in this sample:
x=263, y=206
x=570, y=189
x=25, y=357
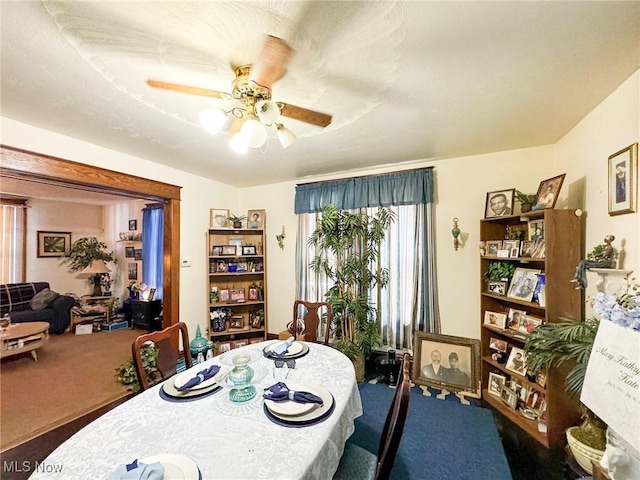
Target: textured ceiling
x=404, y=81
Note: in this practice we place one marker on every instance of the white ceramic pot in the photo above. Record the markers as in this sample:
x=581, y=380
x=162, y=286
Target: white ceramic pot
x=582, y=453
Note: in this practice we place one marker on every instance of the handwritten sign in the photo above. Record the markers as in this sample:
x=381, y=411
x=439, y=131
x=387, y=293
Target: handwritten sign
x=612, y=382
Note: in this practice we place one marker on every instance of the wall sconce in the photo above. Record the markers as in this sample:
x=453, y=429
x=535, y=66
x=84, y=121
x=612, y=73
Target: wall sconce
x=281, y=238
x=455, y=231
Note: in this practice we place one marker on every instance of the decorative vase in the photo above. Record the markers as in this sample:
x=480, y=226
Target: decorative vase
x=198, y=344
x=582, y=453
x=241, y=377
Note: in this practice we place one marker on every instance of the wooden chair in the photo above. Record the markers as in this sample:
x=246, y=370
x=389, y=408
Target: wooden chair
x=311, y=320
x=169, y=353
x=356, y=462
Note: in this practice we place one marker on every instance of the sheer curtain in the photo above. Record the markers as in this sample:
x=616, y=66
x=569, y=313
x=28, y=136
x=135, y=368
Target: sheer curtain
x=409, y=302
x=13, y=216
x=153, y=247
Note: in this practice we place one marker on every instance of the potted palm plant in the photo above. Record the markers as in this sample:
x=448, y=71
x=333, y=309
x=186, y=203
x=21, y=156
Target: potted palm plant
x=236, y=220
x=527, y=201
x=348, y=248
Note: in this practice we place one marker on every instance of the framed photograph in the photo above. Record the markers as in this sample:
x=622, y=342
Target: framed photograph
x=541, y=379
x=240, y=343
x=623, y=181
x=497, y=288
x=523, y=284
x=498, y=345
x=548, y=192
x=221, y=266
x=515, y=318
x=53, y=244
x=516, y=361
x=132, y=269
x=133, y=225
x=255, y=219
x=525, y=248
x=499, y=203
x=495, y=319
x=152, y=294
x=248, y=250
x=496, y=383
x=253, y=293
x=216, y=250
x=509, y=396
x=236, y=294
x=493, y=246
x=224, y=295
x=137, y=254
x=218, y=217
x=513, y=246
x=228, y=250
x=446, y=362
x=534, y=400
x=530, y=324
x=224, y=347
x=255, y=340
x=129, y=252
x=236, y=321
x=536, y=230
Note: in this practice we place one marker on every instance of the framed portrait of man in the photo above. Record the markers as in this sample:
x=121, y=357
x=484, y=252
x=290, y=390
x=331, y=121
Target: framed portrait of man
x=499, y=203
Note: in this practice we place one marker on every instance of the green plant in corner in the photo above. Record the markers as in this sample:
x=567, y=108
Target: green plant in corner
x=348, y=250
x=126, y=373
x=84, y=251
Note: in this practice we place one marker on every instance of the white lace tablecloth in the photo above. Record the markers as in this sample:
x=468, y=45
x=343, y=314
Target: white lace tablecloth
x=226, y=441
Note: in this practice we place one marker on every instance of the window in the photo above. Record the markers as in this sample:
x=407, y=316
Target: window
x=13, y=219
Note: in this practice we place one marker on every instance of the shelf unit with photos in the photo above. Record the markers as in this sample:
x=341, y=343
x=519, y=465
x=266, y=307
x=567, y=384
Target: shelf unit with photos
x=563, y=247
x=237, y=286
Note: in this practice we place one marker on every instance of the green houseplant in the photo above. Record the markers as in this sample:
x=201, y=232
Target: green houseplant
x=500, y=270
x=527, y=201
x=126, y=373
x=236, y=220
x=348, y=248
x=569, y=342
x=84, y=251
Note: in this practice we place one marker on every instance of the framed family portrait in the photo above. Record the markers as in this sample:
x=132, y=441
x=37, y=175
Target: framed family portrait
x=523, y=284
x=517, y=361
x=495, y=319
x=218, y=217
x=255, y=219
x=513, y=246
x=499, y=203
x=53, y=244
x=548, y=192
x=446, y=362
x=623, y=181
x=498, y=345
x=493, y=246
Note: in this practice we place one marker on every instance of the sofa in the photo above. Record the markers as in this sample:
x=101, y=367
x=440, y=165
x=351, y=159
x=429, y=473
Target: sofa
x=36, y=302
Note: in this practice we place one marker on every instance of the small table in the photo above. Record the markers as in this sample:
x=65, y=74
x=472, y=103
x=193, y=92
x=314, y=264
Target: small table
x=24, y=337
x=96, y=309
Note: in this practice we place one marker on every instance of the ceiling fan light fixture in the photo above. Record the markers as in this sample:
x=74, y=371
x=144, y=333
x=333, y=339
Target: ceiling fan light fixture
x=286, y=136
x=267, y=111
x=212, y=120
x=253, y=133
x=238, y=144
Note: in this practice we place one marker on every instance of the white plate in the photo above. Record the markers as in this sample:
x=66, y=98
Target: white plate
x=314, y=413
x=183, y=377
x=289, y=407
x=176, y=467
x=294, y=349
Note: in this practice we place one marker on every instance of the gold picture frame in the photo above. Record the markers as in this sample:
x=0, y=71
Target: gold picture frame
x=53, y=244
x=218, y=218
x=623, y=181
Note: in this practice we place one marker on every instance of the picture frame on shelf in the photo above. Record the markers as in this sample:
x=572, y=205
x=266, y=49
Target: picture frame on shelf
x=228, y=250
x=255, y=219
x=497, y=287
x=236, y=322
x=253, y=340
x=492, y=247
x=541, y=379
x=218, y=217
x=498, y=345
x=516, y=362
x=236, y=295
x=224, y=295
x=221, y=266
x=224, y=347
x=253, y=293
x=536, y=230
x=523, y=283
x=240, y=343
x=496, y=383
x=525, y=248
x=461, y=356
x=509, y=397
x=513, y=246
x=495, y=319
x=53, y=244
x=534, y=400
x=548, y=192
x=531, y=323
x=248, y=250
x=623, y=181
x=216, y=250
x=499, y=203
x=515, y=318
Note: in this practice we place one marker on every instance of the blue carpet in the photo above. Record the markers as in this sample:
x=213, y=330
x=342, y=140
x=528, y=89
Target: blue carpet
x=442, y=440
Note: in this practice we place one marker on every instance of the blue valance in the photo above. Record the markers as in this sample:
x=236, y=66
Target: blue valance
x=410, y=187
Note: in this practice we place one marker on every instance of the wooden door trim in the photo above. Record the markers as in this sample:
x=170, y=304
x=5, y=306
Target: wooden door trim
x=33, y=166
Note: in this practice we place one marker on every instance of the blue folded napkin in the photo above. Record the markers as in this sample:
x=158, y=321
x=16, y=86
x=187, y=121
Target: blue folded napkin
x=283, y=348
x=138, y=471
x=279, y=392
x=200, y=377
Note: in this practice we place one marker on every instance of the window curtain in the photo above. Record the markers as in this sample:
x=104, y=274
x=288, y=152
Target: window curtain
x=13, y=217
x=409, y=302
x=153, y=247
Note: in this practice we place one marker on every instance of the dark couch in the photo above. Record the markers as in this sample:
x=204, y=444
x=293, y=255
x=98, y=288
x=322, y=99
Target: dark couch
x=15, y=299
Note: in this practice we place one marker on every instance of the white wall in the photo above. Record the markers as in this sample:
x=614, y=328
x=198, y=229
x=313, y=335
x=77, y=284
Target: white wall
x=461, y=186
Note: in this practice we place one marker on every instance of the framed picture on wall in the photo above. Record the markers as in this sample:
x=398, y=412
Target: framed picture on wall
x=623, y=181
x=53, y=244
x=133, y=224
x=132, y=268
x=255, y=219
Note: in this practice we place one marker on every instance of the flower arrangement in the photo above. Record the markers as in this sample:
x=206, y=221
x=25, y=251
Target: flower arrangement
x=623, y=310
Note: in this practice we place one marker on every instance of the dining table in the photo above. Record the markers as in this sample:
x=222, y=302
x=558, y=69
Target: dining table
x=225, y=439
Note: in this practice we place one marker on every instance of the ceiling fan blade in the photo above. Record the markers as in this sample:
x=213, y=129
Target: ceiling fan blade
x=304, y=115
x=235, y=126
x=272, y=62
x=203, y=92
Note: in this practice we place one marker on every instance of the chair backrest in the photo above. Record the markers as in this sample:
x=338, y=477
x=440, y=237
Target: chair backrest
x=394, y=423
x=311, y=319
x=167, y=344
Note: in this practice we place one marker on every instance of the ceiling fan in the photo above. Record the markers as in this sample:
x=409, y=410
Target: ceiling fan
x=252, y=90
